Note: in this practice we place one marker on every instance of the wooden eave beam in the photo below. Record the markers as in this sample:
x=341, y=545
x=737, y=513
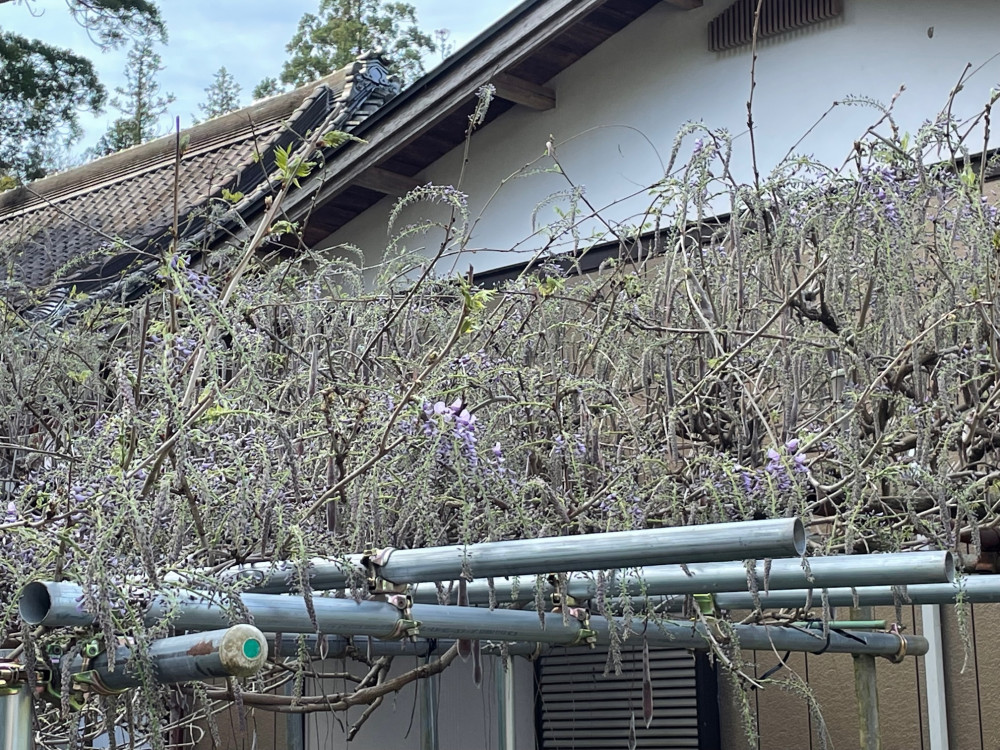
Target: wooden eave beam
x=383, y=181
x=519, y=91
x=685, y=4
x=401, y=125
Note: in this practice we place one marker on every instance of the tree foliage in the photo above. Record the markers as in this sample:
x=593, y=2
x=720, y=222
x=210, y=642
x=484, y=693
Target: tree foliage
x=344, y=29
x=44, y=87
x=267, y=87
x=139, y=100
x=826, y=348
x=222, y=96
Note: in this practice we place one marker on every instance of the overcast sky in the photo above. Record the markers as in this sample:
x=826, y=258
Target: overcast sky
x=247, y=36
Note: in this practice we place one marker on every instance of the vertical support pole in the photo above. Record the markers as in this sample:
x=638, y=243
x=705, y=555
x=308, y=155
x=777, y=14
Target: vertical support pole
x=295, y=724
x=500, y=687
x=506, y=728
x=427, y=689
x=15, y=708
x=866, y=690
x=937, y=713
x=15, y=718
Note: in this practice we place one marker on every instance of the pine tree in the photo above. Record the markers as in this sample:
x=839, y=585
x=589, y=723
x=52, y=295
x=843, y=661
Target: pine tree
x=344, y=29
x=268, y=87
x=140, y=101
x=223, y=95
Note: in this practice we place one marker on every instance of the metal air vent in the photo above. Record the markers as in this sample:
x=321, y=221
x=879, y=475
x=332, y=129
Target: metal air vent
x=734, y=26
x=581, y=708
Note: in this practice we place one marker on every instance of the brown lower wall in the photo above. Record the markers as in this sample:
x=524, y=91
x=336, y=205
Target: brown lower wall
x=973, y=700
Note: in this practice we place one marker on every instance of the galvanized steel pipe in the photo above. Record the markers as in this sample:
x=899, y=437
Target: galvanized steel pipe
x=981, y=589
x=288, y=614
x=560, y=554
x=15, y=708
x=15, y=719
x=339, y=647
x=59, y=605
x=709, y=578
x=239, y=651
x=773, y=637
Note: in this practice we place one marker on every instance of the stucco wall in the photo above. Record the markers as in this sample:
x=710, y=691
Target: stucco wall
x=619, y=108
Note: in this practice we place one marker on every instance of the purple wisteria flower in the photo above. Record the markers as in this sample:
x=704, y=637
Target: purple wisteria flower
x=781, y=472
x=463, y=427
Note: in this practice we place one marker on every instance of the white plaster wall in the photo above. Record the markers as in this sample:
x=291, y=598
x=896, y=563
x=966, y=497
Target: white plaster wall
x=619, y=109
x=467, y=720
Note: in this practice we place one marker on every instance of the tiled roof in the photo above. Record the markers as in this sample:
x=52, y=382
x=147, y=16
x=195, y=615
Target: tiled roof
x=85, y=226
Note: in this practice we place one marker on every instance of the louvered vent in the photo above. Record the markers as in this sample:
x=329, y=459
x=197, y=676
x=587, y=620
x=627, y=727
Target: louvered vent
x=580, y=708
x=734, y=26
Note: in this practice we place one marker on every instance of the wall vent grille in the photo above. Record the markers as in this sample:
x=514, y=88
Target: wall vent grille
x=734, y=26
x=579, y=707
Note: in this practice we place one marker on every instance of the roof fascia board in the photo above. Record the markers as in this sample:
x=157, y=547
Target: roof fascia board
x=433, y=98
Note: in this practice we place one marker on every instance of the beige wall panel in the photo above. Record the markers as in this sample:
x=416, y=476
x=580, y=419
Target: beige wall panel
x=782, y=717
x=831, y=678
x=901, y=690
x=987, y=639
x=961, y=686
x=973, y=699
x=902, y=716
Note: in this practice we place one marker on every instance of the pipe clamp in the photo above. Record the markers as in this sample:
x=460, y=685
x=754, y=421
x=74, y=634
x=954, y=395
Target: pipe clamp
x=586, y=636
x=901, y=654
x=12, y=677
x=406, y=627
x=373, y=560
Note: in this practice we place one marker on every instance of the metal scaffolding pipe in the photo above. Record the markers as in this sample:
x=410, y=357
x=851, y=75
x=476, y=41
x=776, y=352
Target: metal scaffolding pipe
x=561, y=554
x=340, y=647
x=507, y=717
x=239, y=651
x=770, y=637
x=58, y=605
x=975, y=590
x=471, y=622
x=709, y=578
x=15, y=719
x=286, y=614
x=15, y=708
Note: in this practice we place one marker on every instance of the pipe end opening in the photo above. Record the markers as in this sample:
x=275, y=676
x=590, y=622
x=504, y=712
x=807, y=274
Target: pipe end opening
x=799, y=536
x=35, y=603
x=949, y=566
